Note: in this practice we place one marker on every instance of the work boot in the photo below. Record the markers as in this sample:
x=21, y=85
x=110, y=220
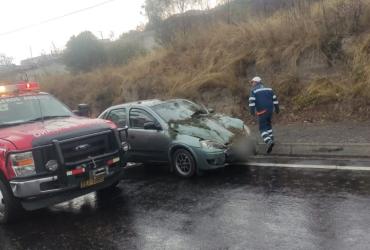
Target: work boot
x=270, y=145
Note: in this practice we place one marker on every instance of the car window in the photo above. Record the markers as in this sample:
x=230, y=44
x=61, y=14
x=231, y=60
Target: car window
x=139, y=117
x=118, y=116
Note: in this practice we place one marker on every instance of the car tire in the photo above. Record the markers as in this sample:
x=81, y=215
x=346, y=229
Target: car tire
x=10, y=207
x=184, y=163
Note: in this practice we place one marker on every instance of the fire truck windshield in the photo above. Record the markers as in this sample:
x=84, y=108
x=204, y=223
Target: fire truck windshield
x=25, y=109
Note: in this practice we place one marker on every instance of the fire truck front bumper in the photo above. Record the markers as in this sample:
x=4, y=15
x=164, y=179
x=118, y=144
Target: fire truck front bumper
x=43, y=192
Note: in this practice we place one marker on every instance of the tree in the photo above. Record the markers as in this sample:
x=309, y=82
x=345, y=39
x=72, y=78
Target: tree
x=128, y=46
x=84, y=52
x=5, y=60
x=159, y=10
x=228, y=6
x=156, y=11
x=204, y=4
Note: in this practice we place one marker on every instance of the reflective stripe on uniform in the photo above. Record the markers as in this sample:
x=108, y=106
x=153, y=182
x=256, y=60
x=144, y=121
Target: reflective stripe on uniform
x=275, y=97
x=265, y=133
x=267, y=139
x=276, y=102
x=252, y=104
x=252, y=98
x=262, y=89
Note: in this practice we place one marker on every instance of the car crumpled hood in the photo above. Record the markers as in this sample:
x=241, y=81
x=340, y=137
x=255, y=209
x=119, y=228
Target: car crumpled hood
x=30, y=135
x=219, y=128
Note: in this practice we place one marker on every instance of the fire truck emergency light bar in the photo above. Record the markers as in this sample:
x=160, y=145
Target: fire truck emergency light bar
x=19, y=87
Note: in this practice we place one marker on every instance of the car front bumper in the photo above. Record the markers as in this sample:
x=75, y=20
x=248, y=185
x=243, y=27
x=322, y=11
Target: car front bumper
x=217, y=159
x=241, y=151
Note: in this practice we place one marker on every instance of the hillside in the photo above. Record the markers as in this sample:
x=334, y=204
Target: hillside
x=316, y=54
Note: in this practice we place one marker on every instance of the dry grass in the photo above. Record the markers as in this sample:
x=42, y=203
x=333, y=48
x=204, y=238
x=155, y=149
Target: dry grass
x=314, y=56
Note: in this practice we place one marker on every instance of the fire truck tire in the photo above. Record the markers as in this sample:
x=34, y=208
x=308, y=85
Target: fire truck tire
x=109, y=189
x=10, y=207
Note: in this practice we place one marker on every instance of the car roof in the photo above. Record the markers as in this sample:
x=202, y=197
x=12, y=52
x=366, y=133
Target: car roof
x=144, y=103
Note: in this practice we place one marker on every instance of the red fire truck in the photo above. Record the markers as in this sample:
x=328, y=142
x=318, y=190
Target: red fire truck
x=48, y=154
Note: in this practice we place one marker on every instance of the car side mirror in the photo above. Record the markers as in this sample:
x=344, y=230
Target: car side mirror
x=82, y=110
x=152, y=126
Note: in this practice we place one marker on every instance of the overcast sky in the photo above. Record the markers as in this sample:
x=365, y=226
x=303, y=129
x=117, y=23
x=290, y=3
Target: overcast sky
x=116, y=16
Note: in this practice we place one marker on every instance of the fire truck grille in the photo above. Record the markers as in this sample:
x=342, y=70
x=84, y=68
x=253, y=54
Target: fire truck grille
x=74, y=151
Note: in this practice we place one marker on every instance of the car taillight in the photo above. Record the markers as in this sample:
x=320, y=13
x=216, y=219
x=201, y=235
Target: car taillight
x=23, y=164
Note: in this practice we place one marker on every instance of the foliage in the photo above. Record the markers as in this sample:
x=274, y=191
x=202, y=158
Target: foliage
x=316, y=55
x=158, y=11
x=84, y=52
x=122, y=51
x=5, y=60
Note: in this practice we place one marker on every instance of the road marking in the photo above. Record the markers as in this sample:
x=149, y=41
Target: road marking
x=308, y=166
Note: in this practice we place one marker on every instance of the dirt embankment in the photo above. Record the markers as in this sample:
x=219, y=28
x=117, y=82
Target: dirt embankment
x=316, y=56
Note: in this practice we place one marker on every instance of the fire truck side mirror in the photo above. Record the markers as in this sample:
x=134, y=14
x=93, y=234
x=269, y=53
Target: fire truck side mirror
x=83, y=110
x=123, y=133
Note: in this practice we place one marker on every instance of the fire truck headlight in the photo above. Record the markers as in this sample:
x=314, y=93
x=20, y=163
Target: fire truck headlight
x=52, y=165
x=23, y=164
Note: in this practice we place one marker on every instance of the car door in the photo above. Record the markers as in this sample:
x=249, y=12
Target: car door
x=147, y=145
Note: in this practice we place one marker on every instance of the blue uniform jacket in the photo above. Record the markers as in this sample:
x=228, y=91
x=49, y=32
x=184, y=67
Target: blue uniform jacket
x=263, y=100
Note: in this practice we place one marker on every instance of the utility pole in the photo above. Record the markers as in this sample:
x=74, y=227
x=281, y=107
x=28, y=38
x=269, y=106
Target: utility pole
x=31, y=52
x=101, y=35
x=228, y=12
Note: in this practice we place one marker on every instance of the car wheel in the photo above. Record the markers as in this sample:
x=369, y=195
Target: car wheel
x=10, y=207
x=184, y=163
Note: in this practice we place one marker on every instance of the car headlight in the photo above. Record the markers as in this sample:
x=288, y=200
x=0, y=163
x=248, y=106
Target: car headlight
x=246, y=129
x=207, y=144
x=23, y=164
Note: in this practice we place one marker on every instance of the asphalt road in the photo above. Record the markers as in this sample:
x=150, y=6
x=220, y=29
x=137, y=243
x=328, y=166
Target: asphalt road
x=235, y=208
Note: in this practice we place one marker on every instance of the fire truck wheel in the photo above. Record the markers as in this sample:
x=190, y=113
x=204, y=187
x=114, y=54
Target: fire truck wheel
x=108, y=190
x=10, y=207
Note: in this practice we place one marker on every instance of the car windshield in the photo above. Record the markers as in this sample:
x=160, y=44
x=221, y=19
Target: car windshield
x=178, y=110
x=23, y=109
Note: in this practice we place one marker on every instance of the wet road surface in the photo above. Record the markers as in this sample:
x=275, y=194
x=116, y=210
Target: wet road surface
x=234, y=208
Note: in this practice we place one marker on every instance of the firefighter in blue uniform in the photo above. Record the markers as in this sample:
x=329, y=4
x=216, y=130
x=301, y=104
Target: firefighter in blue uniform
x=263, y=102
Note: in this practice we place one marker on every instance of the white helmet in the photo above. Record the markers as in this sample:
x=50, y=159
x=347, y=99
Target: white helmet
x=257, y=79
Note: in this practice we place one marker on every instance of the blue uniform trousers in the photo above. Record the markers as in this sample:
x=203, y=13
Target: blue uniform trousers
x=265, y=127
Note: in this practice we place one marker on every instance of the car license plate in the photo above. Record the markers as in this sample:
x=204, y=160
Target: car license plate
x=96, y=177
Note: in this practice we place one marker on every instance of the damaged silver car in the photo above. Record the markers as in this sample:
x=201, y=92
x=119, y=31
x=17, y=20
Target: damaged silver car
x=185, y=135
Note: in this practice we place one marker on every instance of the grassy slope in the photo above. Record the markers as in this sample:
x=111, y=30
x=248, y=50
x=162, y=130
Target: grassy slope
x=316, y=56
